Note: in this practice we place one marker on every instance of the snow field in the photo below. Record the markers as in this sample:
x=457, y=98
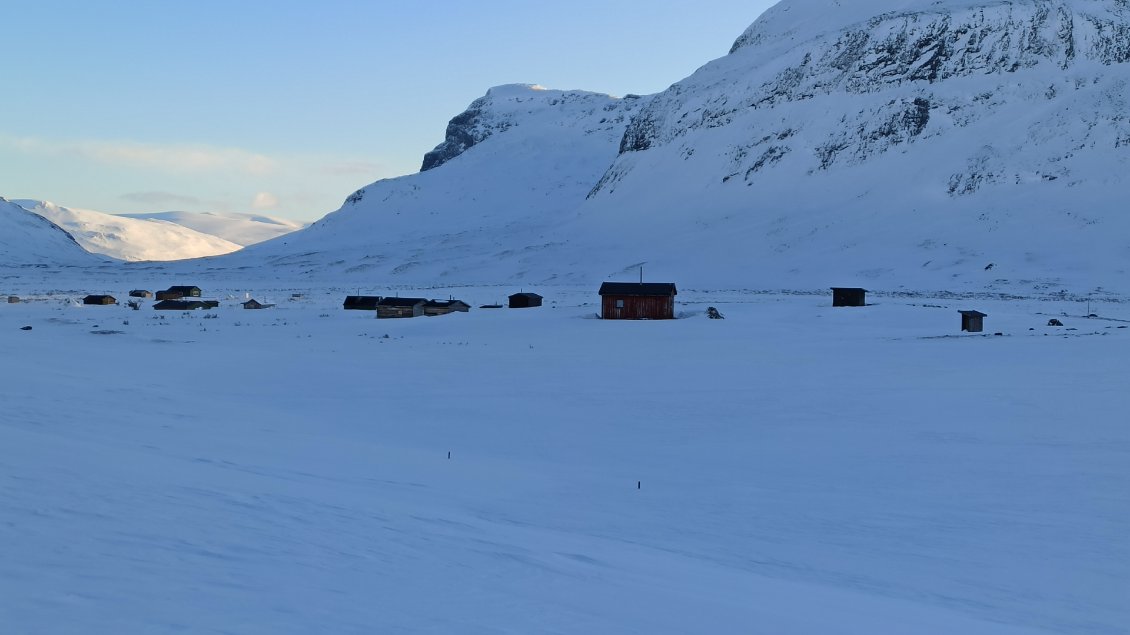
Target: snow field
x=802, y=469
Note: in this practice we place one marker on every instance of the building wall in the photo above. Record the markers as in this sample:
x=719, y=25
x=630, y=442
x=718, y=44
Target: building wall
x=638, y=307
x=399, y=311
x=524, y=302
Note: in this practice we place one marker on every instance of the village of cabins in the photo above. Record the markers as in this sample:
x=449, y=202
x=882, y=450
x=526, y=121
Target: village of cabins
x=619, y=301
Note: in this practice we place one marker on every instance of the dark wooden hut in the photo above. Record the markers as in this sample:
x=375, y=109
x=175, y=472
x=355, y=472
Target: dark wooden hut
x=637, y=300
x=361, y=302
x=255, y=304
x=525, y=300
x=443, y=307
x=99, y=299
x=185, y=305
x=178, y=292
x=400, y=307
x=849, y=296
x=973, y=321
x=140, y=293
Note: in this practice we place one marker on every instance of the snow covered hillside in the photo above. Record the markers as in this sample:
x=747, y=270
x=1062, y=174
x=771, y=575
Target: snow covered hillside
x=800, y=469
x=942, y=144
x=30, y=239
x=161, y=236
x=502, y=189
x=130, y=238
x=241, y=229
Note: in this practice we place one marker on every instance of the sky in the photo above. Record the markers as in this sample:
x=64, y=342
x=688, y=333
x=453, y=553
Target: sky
x=286, y=107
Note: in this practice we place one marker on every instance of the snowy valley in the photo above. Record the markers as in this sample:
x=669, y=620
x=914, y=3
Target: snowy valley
x=792, y=468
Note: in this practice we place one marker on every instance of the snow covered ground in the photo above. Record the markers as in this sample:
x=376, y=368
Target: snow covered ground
x=801, y=469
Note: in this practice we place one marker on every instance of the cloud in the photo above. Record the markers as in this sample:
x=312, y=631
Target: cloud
x=160, y=199
x=265, y=201
x=174, y=158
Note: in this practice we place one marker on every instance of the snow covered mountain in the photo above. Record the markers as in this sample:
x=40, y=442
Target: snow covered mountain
x=160, y=236
x=31, y=240
x=926, y=143
x=241, y=229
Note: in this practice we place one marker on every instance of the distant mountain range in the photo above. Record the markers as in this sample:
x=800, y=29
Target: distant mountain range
x=898, y=144
x=160, y=236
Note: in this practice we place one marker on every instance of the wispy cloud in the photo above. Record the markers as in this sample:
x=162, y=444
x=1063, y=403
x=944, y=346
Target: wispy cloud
x=265, y=201
x=160, y=199
x=175, y=158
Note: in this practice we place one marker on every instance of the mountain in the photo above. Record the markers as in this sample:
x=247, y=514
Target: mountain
x=130, y=238
x=915, y=143
x=31, y=240
x=241, y=229
x=501, y=190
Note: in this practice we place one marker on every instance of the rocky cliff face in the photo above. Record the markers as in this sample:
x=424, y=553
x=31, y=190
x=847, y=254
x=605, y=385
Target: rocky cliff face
x=916, y=56
x=505, y=107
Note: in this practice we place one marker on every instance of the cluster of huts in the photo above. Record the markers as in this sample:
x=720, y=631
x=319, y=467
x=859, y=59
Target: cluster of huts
x=619, y=301
x=175, y=298
x=398, y=307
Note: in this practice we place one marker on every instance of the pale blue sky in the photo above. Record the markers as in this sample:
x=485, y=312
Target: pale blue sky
x=286, y=107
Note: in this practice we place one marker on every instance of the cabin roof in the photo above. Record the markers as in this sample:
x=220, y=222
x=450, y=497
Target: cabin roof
x=638, y=288
x=401, y=302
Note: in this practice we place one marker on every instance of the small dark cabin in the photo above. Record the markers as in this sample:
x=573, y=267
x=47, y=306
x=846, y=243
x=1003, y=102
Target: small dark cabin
x=99, y=299
x=255, y=304
x=443, y=307
x=525, y=300
x=140, y=293
x=973, y=321
x=180, y=305
x=178, y=292
x=849, y=296
x=400, y=307
x=637, y=300
x=361, y=302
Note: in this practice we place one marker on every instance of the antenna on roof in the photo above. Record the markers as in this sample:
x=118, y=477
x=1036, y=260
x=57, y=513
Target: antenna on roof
x=641, y=274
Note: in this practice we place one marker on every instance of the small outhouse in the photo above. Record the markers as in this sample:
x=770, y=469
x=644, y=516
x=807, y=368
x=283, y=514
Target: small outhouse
x=972, y=321
x=849, y=296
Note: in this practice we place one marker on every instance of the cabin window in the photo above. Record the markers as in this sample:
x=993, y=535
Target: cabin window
x=619, y=304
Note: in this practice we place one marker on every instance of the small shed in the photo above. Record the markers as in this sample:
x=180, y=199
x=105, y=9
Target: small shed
x=401, y=307
x=99, y=299
x=255, y=304
x=637, y=300
x=973, y=321
x=13, y=299
x=443, y=307
x=849, y=296
x=140, y=293
x=361, y=302
x=525, y=300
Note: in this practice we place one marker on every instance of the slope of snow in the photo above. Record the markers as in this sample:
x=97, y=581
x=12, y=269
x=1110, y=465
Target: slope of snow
x=958, y=144
x=29, y=239
x=502, y=189
x=131, y=239
x=801, y=469
x=241, y=229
